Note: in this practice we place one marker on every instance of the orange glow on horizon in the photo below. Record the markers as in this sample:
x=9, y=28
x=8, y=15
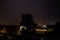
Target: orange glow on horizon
x=3, y=31
x=44, y=30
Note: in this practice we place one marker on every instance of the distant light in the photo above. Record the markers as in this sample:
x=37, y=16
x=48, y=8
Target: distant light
x=50, y=30
x=3, y=31
x=44, y=26
x=22, y=27
x=41, y=29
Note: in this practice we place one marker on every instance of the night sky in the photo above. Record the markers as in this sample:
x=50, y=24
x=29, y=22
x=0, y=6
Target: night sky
x=43, y=11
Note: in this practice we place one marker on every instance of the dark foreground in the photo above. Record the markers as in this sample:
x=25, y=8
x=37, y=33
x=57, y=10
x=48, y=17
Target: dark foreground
x=27, y=37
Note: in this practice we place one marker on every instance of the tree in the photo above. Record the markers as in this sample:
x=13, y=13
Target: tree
x=28, y=22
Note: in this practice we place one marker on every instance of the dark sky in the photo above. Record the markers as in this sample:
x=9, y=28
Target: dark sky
x=43, y=11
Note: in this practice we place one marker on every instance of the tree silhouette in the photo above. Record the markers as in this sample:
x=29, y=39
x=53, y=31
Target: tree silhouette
x=28, y=22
